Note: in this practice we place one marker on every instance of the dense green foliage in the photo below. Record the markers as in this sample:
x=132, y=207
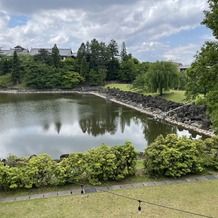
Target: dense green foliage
x=203, y=79
x=96, y=63
x=175, y=157
x=100, y=164
x=5, y=81
x=203, y=74
x=16, y=69
x=96, y=59
x=70, y=79
x=158, y=77
x=211, y=17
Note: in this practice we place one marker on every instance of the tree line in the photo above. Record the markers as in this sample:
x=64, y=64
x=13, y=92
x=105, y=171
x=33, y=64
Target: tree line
x=95, y=64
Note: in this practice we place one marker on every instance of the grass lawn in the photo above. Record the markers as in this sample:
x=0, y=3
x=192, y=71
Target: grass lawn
x=123, y=87
x=172, y=95
x=197, y=197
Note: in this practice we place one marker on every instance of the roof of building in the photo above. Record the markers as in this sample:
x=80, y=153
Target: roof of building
x=4, y=52
x=184, y=66
x=19, y=49
x=64, y=52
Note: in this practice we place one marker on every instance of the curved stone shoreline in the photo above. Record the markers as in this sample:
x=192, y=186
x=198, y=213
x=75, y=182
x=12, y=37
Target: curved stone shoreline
x=156, y=114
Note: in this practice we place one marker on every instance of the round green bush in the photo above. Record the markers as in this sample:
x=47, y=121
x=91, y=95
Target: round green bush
x=173, y=156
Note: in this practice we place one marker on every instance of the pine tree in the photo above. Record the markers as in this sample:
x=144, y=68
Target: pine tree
x=15, y=68
x=56, y=58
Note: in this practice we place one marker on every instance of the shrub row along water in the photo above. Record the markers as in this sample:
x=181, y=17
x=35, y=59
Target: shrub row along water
x=171, y=156
x=94, y=166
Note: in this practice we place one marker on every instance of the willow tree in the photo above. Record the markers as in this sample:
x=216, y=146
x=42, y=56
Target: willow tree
x=162, y=76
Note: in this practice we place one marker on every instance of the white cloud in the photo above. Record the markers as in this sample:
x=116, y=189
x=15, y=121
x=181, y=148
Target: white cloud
x=69, y=23
x=182, y=54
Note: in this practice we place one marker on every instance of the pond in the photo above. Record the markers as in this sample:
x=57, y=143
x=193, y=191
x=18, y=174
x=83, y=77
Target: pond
x=57, y=124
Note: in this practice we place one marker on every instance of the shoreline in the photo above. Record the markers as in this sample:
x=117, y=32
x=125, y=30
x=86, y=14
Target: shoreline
x=154, y=114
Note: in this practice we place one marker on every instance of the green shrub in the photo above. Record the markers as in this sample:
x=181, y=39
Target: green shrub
x=173, y=156
x=211, y=153
x=71, y=169
x=110, y=163
x=96, y=165
x=5, y=81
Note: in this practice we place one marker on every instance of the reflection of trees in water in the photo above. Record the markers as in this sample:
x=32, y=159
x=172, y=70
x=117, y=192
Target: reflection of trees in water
x=152, y=129
x=58, y=126
x=96, y=115
x=101, y=118
x=106, y=117
x=126, y=117
x=46, y=126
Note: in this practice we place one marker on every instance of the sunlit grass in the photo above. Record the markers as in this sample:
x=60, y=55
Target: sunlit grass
x=172, y=95
x=123, y=87
x=197, y=197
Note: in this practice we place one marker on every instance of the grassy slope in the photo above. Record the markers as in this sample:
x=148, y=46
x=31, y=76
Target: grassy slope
x=198, y=197
x=172, y=95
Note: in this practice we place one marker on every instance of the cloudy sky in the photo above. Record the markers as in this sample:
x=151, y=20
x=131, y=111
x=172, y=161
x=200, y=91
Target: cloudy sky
x=152, y=29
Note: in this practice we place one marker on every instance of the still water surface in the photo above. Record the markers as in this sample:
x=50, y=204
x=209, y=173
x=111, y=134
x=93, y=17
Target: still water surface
x=62, y=123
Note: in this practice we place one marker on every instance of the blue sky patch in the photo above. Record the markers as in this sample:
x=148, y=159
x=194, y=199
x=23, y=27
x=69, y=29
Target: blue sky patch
x=17, y=20
x=188, y=36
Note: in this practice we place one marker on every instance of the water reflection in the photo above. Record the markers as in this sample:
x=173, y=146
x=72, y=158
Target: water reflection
x=57, y=124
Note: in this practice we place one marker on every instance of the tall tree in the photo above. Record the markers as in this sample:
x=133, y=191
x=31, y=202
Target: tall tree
x=123, y=52
x=16, y=69
x=211, y=17
x=202, y=75
x=81, y=53
x=84, y=68
x=56, y=58
x=204, y=70
x=128, y=70
x=113, y=62
x=162, y=76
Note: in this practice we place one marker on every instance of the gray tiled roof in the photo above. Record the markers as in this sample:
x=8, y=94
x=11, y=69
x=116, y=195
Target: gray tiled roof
x=64, y=52
x=18, y=49
x=4, y=52
x=11, y=52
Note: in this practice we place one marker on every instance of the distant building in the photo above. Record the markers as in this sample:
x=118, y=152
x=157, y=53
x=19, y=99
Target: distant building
x=181, y=67
x=19, y=49
x=64, y=52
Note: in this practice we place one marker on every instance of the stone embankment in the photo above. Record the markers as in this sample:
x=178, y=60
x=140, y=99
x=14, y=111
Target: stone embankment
x=187, y=116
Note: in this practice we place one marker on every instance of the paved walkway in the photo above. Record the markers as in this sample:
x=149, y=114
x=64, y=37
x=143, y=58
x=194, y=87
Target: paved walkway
x=106, y=188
